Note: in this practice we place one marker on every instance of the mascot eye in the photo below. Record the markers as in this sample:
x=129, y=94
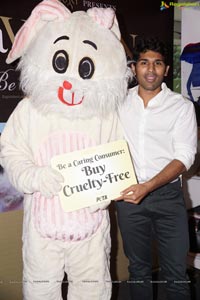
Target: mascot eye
x=86, y=68
x=60, y=61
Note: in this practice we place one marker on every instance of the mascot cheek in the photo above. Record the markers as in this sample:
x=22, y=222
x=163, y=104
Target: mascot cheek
x=67, y=97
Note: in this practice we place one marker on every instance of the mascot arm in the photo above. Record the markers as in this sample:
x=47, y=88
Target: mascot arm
x=17, y=157
x=101, y=206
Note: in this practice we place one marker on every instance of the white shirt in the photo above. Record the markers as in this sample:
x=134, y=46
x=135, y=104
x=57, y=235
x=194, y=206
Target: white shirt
x=164, y=130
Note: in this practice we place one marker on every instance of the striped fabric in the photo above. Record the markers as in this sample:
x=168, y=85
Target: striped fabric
x=50, y=220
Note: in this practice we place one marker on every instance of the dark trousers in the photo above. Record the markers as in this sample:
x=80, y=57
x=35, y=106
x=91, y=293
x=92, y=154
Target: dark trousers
x=161, y=214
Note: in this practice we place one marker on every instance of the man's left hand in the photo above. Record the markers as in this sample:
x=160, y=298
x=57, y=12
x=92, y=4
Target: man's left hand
x=134, y=194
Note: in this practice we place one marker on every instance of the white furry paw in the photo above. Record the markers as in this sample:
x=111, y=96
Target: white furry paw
x=48, y=182
x=97, y=207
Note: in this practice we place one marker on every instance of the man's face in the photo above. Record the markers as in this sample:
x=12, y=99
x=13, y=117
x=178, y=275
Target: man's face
x=150, y=70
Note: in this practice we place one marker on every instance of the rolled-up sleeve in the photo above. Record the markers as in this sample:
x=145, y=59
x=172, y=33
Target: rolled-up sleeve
x=185, y=135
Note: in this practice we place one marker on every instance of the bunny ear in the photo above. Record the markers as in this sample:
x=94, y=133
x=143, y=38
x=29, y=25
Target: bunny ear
x=47, y=10
x=105, y=17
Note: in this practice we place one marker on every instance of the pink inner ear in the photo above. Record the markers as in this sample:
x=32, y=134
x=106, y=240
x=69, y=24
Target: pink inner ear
x=47, y=10
x=102, y=16
x=19, y=43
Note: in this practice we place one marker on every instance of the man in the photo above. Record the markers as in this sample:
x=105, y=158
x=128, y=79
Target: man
x=160, y=127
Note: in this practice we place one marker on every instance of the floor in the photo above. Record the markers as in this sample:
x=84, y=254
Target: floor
x=120, y=291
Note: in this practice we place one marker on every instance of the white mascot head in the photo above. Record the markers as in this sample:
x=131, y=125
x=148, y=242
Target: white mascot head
x=71, y=63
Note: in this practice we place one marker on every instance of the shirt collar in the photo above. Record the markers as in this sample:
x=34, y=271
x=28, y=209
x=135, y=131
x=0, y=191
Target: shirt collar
x=158, y=99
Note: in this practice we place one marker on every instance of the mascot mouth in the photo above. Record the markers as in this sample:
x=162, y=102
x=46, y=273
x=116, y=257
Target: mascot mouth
x=67, y=97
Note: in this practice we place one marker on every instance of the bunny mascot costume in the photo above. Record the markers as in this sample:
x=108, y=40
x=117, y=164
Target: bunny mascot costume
x=74, y=76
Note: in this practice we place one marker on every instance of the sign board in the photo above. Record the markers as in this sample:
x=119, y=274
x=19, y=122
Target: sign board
x=94, y=175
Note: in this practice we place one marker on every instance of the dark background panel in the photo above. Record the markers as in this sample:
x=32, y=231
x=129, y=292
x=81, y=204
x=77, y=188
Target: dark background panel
x=135, y=18
x=144, y=18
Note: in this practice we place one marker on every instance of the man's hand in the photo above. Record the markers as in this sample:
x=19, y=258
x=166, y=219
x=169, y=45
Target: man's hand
x=134, y=194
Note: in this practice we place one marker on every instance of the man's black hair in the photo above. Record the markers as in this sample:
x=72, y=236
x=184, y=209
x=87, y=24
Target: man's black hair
x=144, y=44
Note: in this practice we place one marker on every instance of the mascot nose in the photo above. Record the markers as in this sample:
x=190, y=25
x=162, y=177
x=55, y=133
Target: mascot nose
x=67, y=96
x=67, y=85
